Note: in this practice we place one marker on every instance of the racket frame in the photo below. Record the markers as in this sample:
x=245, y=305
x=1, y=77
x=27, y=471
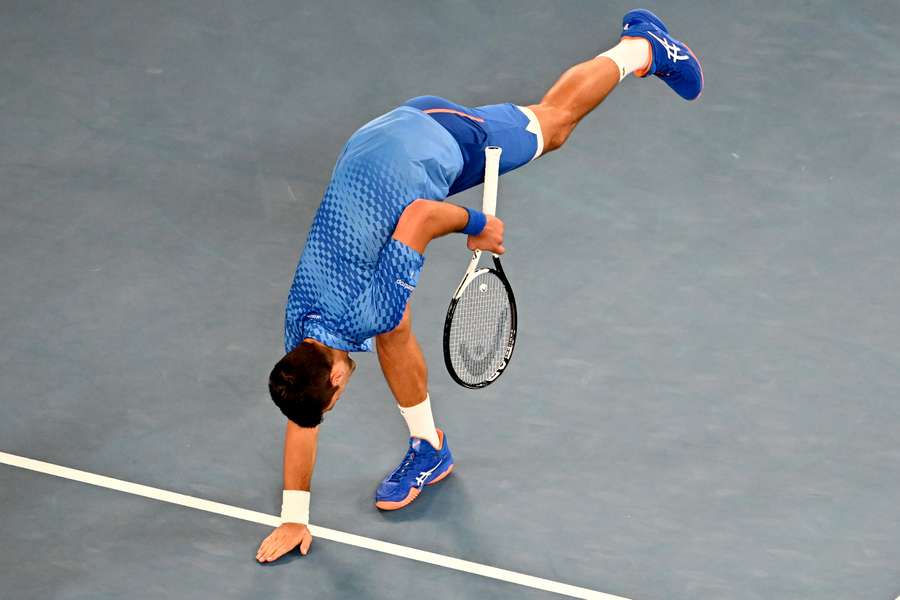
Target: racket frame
x=488, y=207
x=472, y=273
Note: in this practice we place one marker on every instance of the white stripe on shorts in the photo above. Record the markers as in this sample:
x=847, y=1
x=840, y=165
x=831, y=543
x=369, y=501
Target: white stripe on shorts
x=534, y=126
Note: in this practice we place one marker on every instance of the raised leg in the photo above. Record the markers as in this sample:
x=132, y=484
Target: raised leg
x=582, y=88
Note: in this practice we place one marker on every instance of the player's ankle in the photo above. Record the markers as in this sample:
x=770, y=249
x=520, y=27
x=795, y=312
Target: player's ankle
x=420, y=422
x=631, y=54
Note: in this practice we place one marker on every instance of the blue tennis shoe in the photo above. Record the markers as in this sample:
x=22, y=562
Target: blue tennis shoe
x=671, y=60
x=423, y=465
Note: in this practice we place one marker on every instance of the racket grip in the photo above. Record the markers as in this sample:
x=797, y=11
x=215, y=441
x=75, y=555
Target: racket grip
x=491, y=179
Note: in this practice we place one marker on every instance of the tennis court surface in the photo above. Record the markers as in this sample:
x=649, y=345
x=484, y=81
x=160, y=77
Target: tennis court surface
x=703, y=402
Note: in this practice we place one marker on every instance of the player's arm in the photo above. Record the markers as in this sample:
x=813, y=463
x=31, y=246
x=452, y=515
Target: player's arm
x=425, y=220
x=299, y=460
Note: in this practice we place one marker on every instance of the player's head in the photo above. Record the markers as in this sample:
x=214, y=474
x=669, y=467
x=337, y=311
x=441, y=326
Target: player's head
x=307, y=382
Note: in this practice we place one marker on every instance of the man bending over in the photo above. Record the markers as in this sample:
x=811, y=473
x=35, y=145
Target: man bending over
x=366, y=246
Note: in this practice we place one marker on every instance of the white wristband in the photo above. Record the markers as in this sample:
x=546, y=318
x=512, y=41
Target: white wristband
x=295, y=506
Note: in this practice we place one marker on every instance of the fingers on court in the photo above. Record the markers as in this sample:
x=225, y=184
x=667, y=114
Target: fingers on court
x=264, y=552
x=268, y=551
x=274, y=547
x=274, y=554
x=305, y=544
x=263, y=549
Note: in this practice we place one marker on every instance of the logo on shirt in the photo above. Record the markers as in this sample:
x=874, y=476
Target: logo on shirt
x=403, y=284
x=313, y=316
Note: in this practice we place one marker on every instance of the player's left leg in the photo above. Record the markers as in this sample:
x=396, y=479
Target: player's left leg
x=577, y=92
x=527, y=132
x=428, y=459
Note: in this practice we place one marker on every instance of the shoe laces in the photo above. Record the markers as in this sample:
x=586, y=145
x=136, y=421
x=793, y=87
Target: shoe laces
x=404, y=467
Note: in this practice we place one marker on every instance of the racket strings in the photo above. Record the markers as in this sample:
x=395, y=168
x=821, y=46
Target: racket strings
x=480, y=328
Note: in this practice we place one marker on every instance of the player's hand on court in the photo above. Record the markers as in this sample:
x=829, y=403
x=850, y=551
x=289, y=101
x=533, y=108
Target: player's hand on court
x=491, y=237
x=284, y=539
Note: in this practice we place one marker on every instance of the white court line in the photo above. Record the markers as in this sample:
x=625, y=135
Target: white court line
x=319, y=532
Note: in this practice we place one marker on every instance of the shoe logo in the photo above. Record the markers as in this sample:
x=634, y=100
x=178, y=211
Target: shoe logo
x=671, y=49
x=423, y=475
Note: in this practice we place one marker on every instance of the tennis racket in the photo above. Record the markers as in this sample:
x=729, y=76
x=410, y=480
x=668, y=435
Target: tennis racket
x=480, y=328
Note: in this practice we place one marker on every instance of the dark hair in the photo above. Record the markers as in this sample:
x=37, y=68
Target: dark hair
x=300, y=384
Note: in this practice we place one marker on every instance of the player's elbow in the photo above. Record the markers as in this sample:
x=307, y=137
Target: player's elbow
x=419, y=213
x=416, y=224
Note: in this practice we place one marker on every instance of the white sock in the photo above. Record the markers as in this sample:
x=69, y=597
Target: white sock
x=630, y=54
x=421, y=422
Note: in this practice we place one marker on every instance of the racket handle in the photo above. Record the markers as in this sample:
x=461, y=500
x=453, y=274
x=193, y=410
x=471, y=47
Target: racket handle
x=491, y=178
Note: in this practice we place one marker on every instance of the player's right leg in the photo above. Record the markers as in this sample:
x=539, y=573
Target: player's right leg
x=645, y=48
x=428, y=459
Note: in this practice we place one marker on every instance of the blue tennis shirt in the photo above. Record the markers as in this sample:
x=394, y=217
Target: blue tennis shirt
x=353, y=280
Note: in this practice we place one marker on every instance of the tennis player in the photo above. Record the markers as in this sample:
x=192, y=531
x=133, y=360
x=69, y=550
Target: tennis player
x=366, y=248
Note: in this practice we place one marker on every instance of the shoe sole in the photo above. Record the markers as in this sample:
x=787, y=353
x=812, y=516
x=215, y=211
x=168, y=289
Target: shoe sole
x=700, y=66
x=413, y=494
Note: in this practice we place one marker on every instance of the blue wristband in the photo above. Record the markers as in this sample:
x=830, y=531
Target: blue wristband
x=477, y=221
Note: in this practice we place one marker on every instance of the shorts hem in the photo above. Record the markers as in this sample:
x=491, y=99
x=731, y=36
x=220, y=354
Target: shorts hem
x=534, y=126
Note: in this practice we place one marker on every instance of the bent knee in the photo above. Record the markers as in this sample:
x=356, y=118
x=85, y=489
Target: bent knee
x=413, y=228
x=556, y=125
x=558, y=136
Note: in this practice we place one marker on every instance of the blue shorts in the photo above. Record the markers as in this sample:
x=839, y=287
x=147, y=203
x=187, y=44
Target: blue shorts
x=513, y=128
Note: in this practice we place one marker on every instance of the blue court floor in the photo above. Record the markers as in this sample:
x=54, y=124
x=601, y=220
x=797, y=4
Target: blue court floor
x=703, y=403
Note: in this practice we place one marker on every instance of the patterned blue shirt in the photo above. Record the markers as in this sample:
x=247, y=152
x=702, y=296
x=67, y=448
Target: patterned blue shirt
x=354, y=280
